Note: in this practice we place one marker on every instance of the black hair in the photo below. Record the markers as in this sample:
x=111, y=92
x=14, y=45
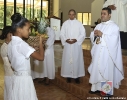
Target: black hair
x=108, y=10
x=18, y=21
x=71, y=10
x=5, y=31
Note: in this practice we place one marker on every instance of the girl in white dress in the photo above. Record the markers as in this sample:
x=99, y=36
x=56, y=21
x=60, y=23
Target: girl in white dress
x=19, y=53
x=8, y=72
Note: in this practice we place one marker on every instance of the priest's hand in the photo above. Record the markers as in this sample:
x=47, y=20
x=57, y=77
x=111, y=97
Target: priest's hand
x=98, y=33
x=112, y=7
x=71, y=41
x=68, y=41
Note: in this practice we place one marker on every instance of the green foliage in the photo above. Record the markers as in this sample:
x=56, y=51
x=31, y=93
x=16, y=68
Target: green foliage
x=42, y=26
x=1, y=16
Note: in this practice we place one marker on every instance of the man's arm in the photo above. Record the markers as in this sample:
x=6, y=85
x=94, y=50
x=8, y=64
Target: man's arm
x=82, y=35
x=124, y=2
x=109, y=5
x=62, y=35
x=106, y=4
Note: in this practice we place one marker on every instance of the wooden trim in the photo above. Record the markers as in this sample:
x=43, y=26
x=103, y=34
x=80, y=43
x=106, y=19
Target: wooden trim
x=53, y=17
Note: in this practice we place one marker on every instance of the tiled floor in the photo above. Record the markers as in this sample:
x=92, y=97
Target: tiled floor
x=50, y=92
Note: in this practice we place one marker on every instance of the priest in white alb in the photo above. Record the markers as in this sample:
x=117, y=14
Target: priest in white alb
x=106, y=54
x=119, y=16
x=72, y=35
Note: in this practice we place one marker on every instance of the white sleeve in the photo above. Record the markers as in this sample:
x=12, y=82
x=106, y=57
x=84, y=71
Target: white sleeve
x=3, y=51
x=25, y=49
x=107, y=3
x=82, y=35
x=124, y=2
x=111, y=38
x=92, y=37
x=51, y=38
x=62, y=35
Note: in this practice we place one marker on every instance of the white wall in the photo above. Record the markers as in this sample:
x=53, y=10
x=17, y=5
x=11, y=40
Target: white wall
x=96, y=8
x=78, y=5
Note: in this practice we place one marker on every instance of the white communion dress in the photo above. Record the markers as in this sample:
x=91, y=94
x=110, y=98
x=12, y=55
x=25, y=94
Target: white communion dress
x=8, y=72
x=19, y=55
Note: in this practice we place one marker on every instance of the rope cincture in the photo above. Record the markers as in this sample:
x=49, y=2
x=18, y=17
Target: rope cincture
x=71, y=58
x=112, y=58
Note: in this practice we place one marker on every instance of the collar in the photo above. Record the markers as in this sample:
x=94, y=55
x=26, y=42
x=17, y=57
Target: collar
x=73, y=19
x=16, y=38
x=107, y=22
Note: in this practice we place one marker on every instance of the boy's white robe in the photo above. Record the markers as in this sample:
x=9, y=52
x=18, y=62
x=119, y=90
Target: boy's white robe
x=119, y=16
x=106, y=56
x=72, y=59
x=49, y=63
x=46, y=68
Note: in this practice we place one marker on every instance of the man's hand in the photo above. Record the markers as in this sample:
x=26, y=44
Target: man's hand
x=98, y=33
x=112, y=7
x=71, y=41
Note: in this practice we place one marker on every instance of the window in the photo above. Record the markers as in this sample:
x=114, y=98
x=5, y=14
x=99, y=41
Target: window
x=84, y=18
x=1, y=15
x=30, y=9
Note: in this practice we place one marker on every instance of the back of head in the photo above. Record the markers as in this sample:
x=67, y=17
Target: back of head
x=18, y=21
x=5, y=31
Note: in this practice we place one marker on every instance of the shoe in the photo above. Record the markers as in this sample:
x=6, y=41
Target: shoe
x=68, y=80
x=94, y=92
x=77, y=80
x=47, y=82
x=41, y=81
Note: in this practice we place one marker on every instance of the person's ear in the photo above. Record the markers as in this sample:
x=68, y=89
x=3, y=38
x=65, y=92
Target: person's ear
x=110, y=15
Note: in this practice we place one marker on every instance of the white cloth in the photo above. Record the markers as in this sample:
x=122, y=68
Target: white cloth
x=23, y=87
x=110, y=72
x=109, y=48
x=46, y=68
x=92, y=38
x=119, y=15
x=7, y=71
x=37, y=68
x=72, y=59
x=49, y=63
x=19, y=55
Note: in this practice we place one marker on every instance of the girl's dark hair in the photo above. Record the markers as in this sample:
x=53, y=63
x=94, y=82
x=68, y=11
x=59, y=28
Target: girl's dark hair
x=18, y=21
x=5, y=31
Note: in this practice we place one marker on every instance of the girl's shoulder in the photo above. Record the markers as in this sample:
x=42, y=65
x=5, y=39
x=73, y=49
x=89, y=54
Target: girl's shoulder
x=3, y=46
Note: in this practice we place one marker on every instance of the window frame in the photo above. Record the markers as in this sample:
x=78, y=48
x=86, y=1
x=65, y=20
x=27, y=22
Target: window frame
x=5, y=9
x=82, y=17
